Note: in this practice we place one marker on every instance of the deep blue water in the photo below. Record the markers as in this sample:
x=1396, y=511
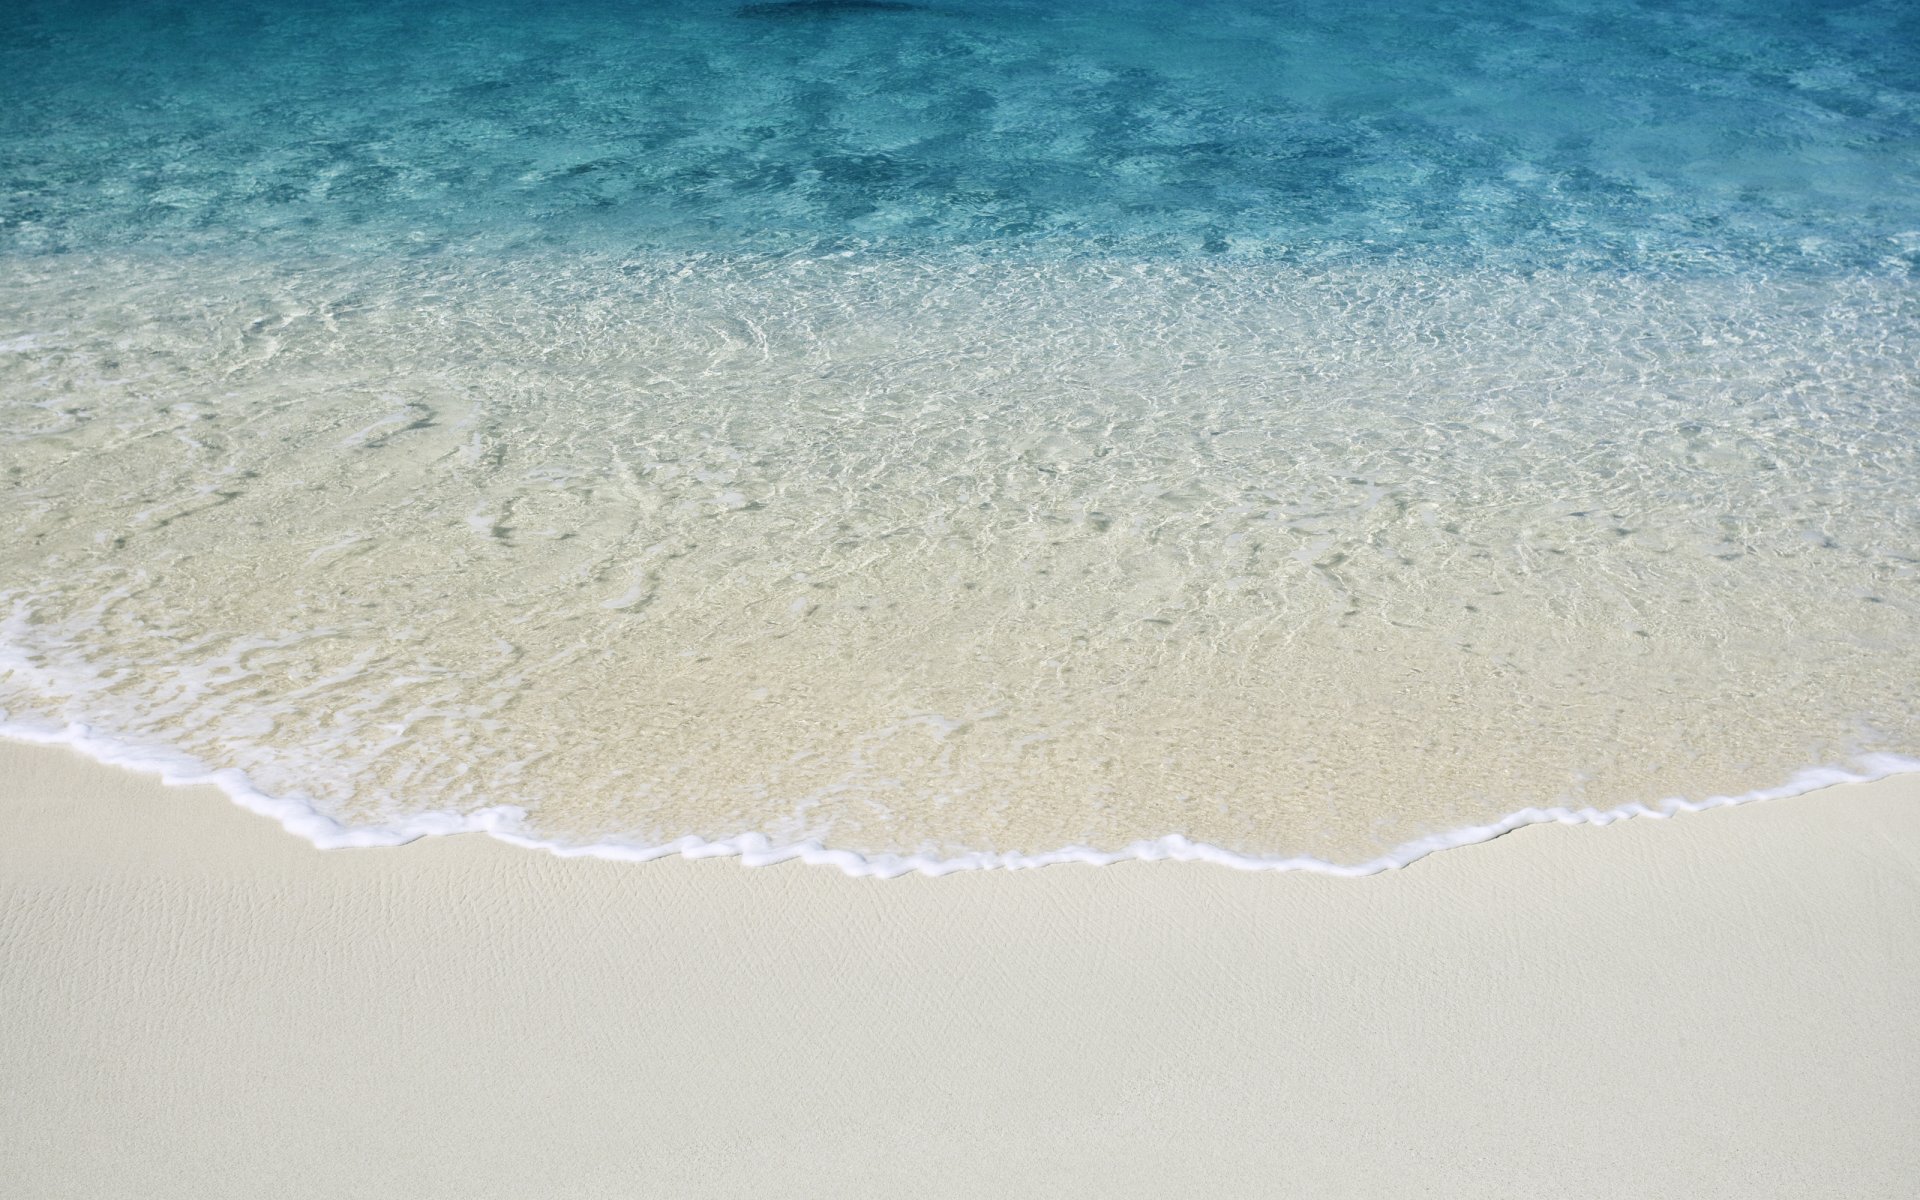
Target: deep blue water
x=1729, y=135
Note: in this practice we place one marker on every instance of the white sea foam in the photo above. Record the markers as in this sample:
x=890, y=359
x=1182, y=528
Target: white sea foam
x=507, y=823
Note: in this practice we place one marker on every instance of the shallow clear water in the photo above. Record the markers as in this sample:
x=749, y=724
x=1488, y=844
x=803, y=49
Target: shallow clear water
x=965, y=427
x=1608, y=136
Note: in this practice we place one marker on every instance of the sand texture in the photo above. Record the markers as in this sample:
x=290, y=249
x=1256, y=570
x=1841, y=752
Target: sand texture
x=195, y=1004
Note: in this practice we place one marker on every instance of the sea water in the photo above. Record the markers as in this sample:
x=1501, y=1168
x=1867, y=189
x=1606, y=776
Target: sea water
x=963, y=432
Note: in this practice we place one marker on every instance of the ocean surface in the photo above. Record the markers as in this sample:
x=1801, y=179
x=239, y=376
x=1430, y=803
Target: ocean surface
x=963, y=432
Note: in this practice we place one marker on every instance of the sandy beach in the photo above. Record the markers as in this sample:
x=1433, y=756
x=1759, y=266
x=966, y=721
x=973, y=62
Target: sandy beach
x=954, y=598
x=199, y=1005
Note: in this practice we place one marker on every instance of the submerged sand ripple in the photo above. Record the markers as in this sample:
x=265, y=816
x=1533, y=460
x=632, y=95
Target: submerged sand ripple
x=916, y=555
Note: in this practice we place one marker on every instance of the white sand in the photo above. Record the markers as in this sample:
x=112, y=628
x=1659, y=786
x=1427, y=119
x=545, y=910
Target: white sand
x=196, y=1005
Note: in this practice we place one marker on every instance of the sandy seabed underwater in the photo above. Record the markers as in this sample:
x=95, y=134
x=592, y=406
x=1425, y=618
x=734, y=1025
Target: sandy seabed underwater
x=957, y=434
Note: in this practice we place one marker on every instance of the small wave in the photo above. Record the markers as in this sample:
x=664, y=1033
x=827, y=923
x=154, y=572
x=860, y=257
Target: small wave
x=506, y=822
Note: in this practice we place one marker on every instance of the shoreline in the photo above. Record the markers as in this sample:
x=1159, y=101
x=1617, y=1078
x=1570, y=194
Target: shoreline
x=203, y=1006
x=1118, y=570
x=503, y=822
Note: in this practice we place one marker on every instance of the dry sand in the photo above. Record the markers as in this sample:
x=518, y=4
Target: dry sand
x=197, y=1005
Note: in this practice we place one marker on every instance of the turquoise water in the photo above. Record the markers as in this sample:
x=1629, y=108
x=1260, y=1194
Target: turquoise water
x=950, y=432
x=1612, y=136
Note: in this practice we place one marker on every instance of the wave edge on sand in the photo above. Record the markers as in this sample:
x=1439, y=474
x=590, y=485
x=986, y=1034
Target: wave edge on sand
x=506, y=822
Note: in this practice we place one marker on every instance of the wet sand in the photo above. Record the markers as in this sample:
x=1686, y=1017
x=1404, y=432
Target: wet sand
x=197, y=1004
